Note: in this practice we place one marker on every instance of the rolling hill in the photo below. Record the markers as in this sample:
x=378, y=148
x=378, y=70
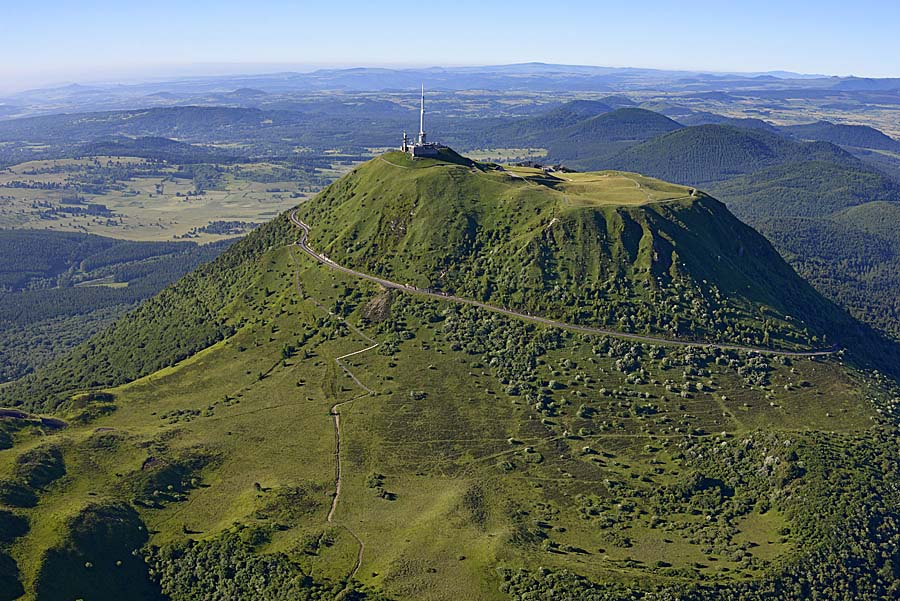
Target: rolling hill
x=708, y=153
x=536, y=130
x=707, y=118
x=804, y=189
x=858, y=136
x=275, y=426
x=596, y=138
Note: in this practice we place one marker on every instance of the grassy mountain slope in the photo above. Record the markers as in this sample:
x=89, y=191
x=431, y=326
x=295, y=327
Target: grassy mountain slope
x=557, y=247
x=183, y=319
x=481, y=457
x=57, y=289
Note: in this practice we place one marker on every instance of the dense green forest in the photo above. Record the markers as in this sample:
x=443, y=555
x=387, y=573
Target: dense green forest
x=849, y=257
x=709, y=153
x=60, y=288
x=604, y=135
x=859, y=136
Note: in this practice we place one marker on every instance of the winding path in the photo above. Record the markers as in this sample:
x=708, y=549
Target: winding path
x=303, y=245
x=336, y=420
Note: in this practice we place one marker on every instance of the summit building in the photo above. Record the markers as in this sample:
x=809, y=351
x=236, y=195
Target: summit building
x=421, y=147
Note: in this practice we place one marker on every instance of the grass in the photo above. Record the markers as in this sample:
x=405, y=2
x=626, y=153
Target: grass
x=439, y=455
x=618, y=188
x=567, y=474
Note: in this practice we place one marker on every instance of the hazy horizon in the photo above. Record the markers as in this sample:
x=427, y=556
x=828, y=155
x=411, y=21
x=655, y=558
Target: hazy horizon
x=162, y=74
x=104, y=41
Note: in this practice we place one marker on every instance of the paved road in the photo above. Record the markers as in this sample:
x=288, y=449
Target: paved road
x=302, y=243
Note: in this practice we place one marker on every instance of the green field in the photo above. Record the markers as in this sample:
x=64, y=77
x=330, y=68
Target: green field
x=157, y=207
x=611, y=188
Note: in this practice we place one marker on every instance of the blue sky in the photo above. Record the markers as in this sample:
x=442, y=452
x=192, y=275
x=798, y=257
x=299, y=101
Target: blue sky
x=47, y=41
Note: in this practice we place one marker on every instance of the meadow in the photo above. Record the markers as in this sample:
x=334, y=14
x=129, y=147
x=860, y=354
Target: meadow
x=142, y=200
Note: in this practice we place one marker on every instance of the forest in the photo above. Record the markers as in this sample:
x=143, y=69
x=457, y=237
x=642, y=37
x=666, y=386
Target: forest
x=59, y=288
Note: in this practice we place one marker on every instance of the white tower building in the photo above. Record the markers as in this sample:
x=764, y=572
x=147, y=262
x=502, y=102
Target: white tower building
x=422, y=119
x=421, y=147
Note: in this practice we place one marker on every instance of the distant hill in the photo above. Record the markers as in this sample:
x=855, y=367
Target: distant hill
x=815, y=188
x=352, y=127
x=151, y=147
x=585, y=143
x=618, y=101
x=575, y=111
x=709, y=153
x=248, y=93
x=868, y=84
x=537, y=130
x=678, y=112
x=706, y=118
x=156, y=122
x=860, y=136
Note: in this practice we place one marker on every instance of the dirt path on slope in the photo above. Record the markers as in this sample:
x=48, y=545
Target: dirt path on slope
x=336, y=420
